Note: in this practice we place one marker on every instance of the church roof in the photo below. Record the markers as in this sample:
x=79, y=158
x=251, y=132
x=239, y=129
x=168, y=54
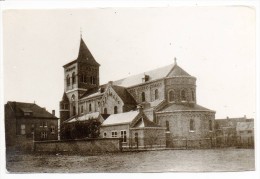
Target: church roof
x=84, y=55
x=169, y=70
x=19, y=108
x=172, y=107
x=120, y=118
x=85, y=117
x=124, y=95
x=65, y=97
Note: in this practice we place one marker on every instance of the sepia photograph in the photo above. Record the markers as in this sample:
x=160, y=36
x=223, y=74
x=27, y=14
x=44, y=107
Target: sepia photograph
x=129, y=89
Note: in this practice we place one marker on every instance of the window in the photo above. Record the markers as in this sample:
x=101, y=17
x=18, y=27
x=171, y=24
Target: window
x=43, y=124
x=192, y=125
x=114, y=133
x=73, y=78
x=143, y=96
x=22, y=129
x=27, y=113
x=68, y=80
x=89, y=107
x=105, y=110
x=115, y=110
x=210, y=125
x=183, y=95
x=104, y=134
x=167, y=126
x=44, y=135
x=92, y=80
x=83, y=78
x=73, y=110
x=123, y=136
x=192, y=95
x=156, y=95
x=136, y=138
x=171, y=96
x=81, y=110
x=52, y=129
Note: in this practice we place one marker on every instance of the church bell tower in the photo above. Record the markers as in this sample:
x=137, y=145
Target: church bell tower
x=80, y=75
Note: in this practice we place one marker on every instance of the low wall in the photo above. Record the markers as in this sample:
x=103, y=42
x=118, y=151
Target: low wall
x=205, y=143
x=79, y=146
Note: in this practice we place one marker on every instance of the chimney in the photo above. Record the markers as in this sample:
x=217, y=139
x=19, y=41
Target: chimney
x=245, y=116
x=53, y=112
x=175, y=61
x=227, y=117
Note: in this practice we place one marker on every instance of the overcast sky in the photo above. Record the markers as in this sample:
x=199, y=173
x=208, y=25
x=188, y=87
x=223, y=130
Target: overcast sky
x=214, y=44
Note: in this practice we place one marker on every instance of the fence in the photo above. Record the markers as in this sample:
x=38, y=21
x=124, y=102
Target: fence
x=235, y=141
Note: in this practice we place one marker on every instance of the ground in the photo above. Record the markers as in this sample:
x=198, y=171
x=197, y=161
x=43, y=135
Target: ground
x=146, y=161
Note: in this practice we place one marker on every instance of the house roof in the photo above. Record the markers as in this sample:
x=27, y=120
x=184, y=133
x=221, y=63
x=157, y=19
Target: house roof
x=172, y=70
x=124, y=95
x=120, y=118
x=242, y=126
x=183, y=107
x=20, y=108
x=91, y=93
x=85, y=117
x=84, y=55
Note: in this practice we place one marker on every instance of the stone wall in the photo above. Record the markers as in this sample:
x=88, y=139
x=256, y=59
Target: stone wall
x=79, y=146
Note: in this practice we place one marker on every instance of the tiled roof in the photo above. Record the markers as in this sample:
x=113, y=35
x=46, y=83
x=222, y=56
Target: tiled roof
x=120, y=118
x=124, y=95
x=84, y=55
x=172, y=70
x=178, y=71
x=91, y=93
x=65, y=97
x=137, y=79
x=20, y=108
x=183, y=107
x=85, y=117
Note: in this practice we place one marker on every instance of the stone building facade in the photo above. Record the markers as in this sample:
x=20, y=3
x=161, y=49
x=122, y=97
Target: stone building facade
x=167, y=96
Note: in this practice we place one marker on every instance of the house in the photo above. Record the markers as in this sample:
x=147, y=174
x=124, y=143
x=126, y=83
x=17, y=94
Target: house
x=26, y=122
x=234, y=131
x=167, y=95
x=135, y=130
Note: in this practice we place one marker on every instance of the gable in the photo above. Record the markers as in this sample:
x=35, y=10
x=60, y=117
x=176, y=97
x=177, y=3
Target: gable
x=177, y=71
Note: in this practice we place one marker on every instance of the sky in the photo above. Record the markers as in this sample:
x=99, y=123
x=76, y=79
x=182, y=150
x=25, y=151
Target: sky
x=214, y=44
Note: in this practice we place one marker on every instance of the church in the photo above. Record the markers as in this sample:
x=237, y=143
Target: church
x=158, y=105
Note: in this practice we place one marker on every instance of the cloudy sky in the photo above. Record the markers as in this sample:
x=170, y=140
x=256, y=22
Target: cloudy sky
x=214, y=44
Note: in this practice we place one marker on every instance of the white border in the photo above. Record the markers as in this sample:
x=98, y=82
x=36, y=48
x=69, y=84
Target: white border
x=60, y=4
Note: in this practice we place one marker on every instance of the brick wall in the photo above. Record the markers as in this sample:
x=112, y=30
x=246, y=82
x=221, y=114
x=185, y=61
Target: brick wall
x=79, y=146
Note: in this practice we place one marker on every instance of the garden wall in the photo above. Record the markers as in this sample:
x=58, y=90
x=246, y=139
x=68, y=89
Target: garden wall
x=80, y=146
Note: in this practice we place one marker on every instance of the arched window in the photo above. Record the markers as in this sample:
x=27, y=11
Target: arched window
x=105, y=110
x=68, y=80
x=115, y=110
x=143, y=96
x=183, y=95
x=90, y=108
x=81, y=109
x=192, y=125
x=210, y=125
x=192, y=95
x=171, y=96
x=73, y=78
x=167, y=125
x=156, y=95
x=73, y=98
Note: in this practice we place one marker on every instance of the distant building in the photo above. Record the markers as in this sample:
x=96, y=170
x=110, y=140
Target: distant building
x=167, y=95
x=234, y=132
x=25, y=122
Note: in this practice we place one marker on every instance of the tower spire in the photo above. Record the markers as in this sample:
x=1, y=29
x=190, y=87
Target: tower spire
x=80, y=33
